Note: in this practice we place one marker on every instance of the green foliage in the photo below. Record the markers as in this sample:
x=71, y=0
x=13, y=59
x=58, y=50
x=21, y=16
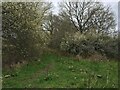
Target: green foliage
x=90, y=43
x=58, y=26
x=28, y=28
x=22, y=37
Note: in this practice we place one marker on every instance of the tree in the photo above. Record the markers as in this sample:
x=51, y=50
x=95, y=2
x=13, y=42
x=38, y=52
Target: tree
x=23, y=36
x=57, y=26
x=89, y=15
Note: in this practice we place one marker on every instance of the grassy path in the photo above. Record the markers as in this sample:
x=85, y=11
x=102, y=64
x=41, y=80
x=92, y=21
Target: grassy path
x=57, y=71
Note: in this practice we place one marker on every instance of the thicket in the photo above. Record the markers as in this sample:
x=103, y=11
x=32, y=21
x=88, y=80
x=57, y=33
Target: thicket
x=80, y=28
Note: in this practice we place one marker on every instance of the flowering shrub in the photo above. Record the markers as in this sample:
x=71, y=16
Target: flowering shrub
x=88, y=44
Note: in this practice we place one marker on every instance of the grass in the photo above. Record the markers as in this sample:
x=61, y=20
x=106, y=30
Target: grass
x=54, y=71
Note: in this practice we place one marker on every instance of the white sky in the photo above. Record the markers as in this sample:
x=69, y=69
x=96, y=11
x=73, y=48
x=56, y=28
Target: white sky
x=112, y=3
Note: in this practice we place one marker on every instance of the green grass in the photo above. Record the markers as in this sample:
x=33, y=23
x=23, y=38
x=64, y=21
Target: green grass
x=55, y=71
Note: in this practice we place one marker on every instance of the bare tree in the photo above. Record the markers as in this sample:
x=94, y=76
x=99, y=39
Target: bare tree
x=86, y=16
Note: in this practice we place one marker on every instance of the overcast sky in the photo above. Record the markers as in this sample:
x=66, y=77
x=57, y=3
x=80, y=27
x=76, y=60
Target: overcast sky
x=113, y=4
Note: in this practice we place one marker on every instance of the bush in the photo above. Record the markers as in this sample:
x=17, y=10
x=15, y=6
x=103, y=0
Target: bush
x=77, y=44
x=23, y=37
x=88, y=44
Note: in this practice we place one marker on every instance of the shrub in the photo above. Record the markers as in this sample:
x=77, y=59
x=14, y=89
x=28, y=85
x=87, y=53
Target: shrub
x=23, y=37
x=88, y=44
